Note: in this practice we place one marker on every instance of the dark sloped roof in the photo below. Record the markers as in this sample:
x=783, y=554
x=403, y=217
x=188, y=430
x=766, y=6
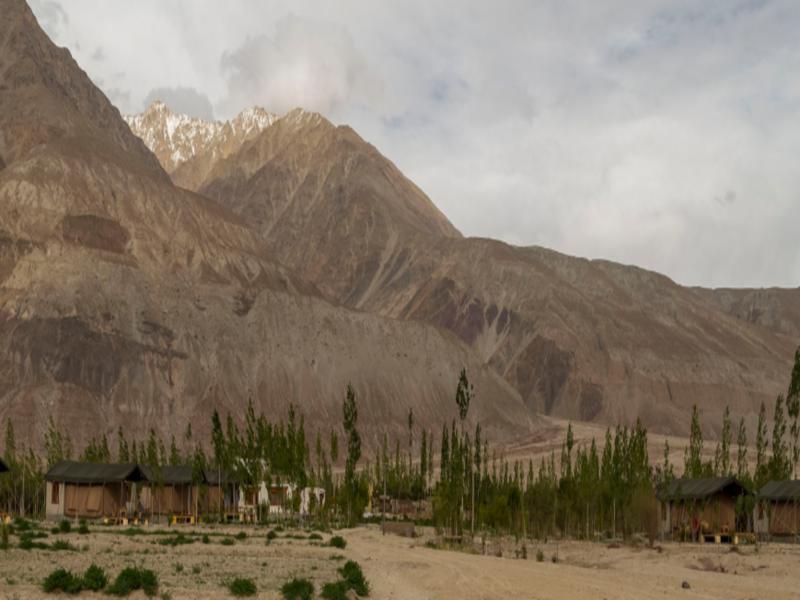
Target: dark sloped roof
x=781, y=490
x=216, y=476
x=169, y=474
x=3, y=466
x=84, y=472
x=698, y=489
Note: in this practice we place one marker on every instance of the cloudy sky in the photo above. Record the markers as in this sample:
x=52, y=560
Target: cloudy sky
x=659, y=133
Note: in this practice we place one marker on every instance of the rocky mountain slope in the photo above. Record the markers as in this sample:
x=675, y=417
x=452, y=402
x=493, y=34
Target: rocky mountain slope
x=127, y=301
x=580, y=339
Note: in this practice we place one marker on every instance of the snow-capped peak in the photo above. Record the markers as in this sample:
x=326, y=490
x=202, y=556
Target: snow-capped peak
x=176, y=138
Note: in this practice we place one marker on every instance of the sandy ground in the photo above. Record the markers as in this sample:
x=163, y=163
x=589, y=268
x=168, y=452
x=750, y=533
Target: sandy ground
x=402, y=568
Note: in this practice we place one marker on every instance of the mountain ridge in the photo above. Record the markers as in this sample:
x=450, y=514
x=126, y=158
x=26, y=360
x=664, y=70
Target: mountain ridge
x=126, y=301
x=577, y=338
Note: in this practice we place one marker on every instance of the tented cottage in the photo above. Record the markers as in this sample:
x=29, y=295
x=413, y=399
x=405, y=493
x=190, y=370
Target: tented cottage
x=92, y=491
x=777, y=512
x=698, y=509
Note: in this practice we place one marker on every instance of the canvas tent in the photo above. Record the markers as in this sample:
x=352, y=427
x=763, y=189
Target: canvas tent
x=777, y=512
x=221, y=494
x=699, y=508
x=171, y=492
x=92, y=490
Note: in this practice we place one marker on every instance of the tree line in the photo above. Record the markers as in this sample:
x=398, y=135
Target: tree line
x=601, y=486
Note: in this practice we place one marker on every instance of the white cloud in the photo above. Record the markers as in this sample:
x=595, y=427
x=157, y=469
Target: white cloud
x=304, y=62
x=618, y=129
x=182, y=99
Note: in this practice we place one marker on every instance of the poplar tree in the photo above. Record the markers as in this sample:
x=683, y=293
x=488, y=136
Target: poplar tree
x=693, y=459
x=722, y=454
x=793, y=410
x=762, y=467
x=350, y=422
x=779, y=463
x=742, y=468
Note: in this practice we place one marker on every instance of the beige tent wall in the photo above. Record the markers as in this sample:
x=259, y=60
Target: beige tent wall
x=169, y=499
x=716, y=514
x=784, y=518
x=93, y=501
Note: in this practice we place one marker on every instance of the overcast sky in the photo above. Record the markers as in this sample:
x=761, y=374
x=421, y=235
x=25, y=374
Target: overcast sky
x=663, y=134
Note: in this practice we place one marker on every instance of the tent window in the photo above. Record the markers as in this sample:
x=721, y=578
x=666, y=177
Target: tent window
x=54, y=493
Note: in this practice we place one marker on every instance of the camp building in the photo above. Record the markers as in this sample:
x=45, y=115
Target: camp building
x=171, y=494
x=92, y=491
x=777, y=512
x=701, y=509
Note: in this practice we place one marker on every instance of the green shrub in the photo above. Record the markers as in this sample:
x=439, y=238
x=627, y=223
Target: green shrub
x=94, y=578
x=176, y=540
x=132, y=579
x=241, y=535
x=242, y=587
x=336, y=557
x=354, y=578
x=338, y=541
x=55, y=530
x=65, y=526
x=62, y=545
x=62, y=580
x=539, y=555
x=298, y=589
x=227, y=541
x=206, y=539
x=83, y=528
x=315, y=536
x=26, y=543
x=271, y=535
x=21, y=524
x=335, y=591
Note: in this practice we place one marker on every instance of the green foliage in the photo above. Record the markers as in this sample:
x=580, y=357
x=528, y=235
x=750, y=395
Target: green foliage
x=62, y=580
x=83, y=528
x=65, y=526
x=354, y=578
x=62, y=545
x=241, y=535
x=205, y=539
x=539, y=555
x=176, y=540
x=464, y=393
x=242, y=587
x=26, y=543
x=350, y=422
x=336, y=590
x=762, y=466
x=94, y=578
x=337, y=541
x=314, y=536
x=298, y=589
x=227, y=541
x=131, y=579
x=693, y=465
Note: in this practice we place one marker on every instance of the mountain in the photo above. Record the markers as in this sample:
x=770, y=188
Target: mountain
x=576, y=338
x=187, y=146
x=126, y=301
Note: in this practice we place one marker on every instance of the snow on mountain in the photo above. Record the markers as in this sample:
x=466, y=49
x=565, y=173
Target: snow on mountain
x=176, y=138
